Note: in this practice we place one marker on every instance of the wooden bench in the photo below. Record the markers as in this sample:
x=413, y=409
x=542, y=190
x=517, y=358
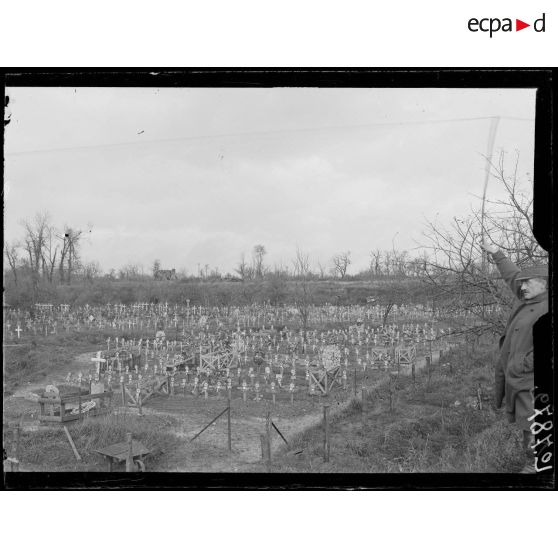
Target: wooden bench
x=119, y=453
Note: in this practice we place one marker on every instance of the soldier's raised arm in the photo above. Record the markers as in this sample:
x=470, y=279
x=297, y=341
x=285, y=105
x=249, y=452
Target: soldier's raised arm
x=508, y=270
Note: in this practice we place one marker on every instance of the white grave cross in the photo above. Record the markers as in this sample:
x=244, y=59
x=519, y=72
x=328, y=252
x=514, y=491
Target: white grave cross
x=98, y=360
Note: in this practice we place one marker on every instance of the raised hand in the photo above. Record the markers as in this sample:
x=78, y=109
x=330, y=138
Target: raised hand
x=490, y=248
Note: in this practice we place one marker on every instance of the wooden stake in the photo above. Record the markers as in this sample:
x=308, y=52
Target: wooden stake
x=140, y=411
x=14, y=463
x=229, y=433
x=268, y=440
x=428, y=361
x=17, y=439
x=130, y=457
x=326, y=432
x=390, y=393
x=263, y=447
x=78, y=456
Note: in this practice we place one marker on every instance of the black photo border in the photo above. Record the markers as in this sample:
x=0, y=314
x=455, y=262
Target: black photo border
x=541, y=79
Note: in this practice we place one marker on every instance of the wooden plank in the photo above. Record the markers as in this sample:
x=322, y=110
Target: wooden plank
x=72, y=398
x=119, y=451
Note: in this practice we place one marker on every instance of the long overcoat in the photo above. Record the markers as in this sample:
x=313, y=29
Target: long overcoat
x=515, y=368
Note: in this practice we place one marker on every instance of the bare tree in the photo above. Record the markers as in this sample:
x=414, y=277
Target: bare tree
x=50, y=252
x=463, y=282
x=301, y=264
x=508, y=223
x=258, y=254
x=321, y=270
x=34, y=240
x=303, y=292
x=376, y=262
x=91, y=270
x=341, y=263
x=399, y=292
x=130, y=271
x=388, y=262
x=400, y=262
x=12, y=255
x=156, y=267
x=69, y=255
x=243, y=268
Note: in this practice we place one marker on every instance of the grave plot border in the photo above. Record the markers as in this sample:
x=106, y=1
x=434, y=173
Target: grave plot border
x=100, y=409
x=327, y=381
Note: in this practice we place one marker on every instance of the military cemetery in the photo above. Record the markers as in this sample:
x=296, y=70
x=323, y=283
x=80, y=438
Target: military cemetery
x=207, y=294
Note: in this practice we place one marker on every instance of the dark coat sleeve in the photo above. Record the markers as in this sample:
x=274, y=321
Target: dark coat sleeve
x=509, y=272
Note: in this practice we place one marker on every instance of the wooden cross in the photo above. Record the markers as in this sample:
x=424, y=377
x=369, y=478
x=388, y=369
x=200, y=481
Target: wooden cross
x=258, y=394
x=244, y=388
x=19, y=330
x=98, y=360
x=292, y=390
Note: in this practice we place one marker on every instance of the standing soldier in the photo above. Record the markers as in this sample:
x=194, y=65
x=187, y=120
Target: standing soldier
x=515, y=380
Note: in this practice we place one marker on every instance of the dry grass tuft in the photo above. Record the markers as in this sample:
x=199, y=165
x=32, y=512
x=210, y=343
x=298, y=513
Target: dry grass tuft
x=436, y=426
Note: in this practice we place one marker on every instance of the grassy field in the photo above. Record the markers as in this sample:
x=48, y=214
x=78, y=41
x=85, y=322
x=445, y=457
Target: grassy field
x=276, y=290
x=38, y=358
x=47, y=449
x=433, y=426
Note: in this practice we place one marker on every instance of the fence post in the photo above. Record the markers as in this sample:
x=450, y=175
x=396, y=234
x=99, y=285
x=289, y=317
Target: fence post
x=229, y=437
x=413, y=374
x=354, y=380
x=268, y=440
x=17, y=435
x=391, y=393
x=14, y=464
x=428, y=363
x=364, y=396
x=263, y=443
x=130, y=457
x=140, y=411
x=326, y=432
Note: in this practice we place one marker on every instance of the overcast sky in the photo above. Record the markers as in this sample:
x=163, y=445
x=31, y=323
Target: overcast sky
x=201, y=175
